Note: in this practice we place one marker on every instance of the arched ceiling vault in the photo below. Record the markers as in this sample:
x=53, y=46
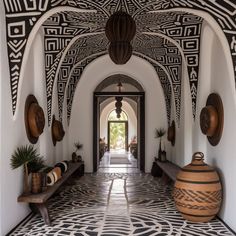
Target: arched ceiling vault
x=62, y=27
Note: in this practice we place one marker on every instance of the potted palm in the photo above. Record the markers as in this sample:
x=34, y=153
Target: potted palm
x=27, y=157
x=159, y=133
x=34, y=167
x=75, y=157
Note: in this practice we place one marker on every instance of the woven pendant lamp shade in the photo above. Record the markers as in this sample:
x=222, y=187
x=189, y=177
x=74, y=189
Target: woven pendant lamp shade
x=120, y=30
x=120, y=27
x=120, y=52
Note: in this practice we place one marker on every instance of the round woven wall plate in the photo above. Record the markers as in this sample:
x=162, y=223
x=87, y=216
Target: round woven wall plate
x=57, y=131
x=215, y=101
x=38, y=119
x=171, y=133
x=54, y=141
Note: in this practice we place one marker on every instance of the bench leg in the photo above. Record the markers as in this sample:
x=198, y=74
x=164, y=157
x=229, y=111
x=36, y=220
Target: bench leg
x=42, y=208
x=165, y=178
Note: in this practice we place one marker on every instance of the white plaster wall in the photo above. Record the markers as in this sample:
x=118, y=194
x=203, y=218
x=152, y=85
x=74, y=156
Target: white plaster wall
x=216, y=75
x=181, y=152
x=131, y=102
x=125, y=88
x=204, y=85
x=132, y=120
x=82, y=111
x=13, y=132
x=2, y=74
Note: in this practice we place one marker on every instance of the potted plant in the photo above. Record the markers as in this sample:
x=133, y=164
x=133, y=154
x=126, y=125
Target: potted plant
x=159, y=133
x=75, y=157
x=26, y=156
x=34, y=167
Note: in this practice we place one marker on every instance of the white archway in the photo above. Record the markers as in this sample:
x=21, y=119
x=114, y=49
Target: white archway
x=30, y=41
x=132, y=119
x=81, y=127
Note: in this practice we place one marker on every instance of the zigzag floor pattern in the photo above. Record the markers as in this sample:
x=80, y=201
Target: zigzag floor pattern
x=115, y=205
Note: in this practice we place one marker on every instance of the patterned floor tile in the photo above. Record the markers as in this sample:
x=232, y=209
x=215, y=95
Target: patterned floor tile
x=109, y=204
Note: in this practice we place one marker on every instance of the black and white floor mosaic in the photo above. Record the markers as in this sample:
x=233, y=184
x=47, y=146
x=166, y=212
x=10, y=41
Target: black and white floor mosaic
x=116, y=204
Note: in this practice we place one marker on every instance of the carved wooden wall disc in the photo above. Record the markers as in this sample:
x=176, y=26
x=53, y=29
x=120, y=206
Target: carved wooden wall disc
x=212, y=119
x=171, y=133
x=57, y=131
x=34, y=119
x=209, y=120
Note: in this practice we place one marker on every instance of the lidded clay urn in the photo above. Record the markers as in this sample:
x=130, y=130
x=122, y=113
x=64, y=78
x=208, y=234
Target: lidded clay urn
x=197, y=191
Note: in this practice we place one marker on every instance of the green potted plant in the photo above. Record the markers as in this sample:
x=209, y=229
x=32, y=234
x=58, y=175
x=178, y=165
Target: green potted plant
x=159, y=133
x=28, y=157
x=34, y=167
x=75, y=157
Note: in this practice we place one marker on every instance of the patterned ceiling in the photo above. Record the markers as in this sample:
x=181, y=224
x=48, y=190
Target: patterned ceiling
x=73, y=39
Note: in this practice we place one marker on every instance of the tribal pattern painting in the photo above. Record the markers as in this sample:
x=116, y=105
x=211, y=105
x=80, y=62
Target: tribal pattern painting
x=165, y=83
x=83, y=48
x=60, y=30
x=167, y=54
x=64, y=20
x=185, y=29
x=74, y=79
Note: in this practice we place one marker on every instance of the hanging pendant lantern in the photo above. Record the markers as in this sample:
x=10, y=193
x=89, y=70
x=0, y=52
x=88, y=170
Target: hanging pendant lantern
x=120, y=52
x=120, y=27
x=118, y=106
x=120, y=30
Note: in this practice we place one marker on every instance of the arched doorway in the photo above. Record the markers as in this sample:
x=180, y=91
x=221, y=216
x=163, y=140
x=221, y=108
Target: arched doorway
x=117, y=131
x=132, y=93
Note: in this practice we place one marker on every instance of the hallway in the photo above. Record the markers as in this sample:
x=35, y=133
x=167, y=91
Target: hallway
x=116, y=204
x=117, y=160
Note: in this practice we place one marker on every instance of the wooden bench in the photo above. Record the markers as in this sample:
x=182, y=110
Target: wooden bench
x=169, y=170
x=39, y=201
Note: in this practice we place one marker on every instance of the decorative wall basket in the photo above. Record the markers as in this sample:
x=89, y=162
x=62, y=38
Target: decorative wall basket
x=212, y=119
x=34, y=119
x=120, y=29
x=57, y=131
x=197, y=191
x=171, y=133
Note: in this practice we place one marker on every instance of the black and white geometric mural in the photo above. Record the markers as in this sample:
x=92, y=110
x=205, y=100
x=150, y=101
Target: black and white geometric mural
x=24, y=16
x=115, y=205
x=60, y=29
x=185, y=29
x=165, y=83
x=74, y=79
x=81, y=49
x=167, y=54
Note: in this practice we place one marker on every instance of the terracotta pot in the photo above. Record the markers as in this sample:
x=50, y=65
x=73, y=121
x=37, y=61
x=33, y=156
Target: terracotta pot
x=36, y=183
x=209, y=120
x=197, y=191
